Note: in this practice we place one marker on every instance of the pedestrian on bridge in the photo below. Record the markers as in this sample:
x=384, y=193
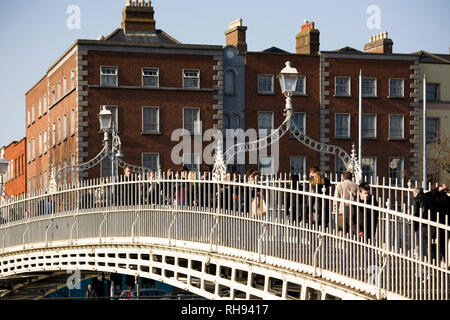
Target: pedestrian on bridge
x=90, y=293
x=346, y=190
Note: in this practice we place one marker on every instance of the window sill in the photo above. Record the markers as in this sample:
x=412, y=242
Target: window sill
x=342, y=96
x=300, y=95
x=342, y=138
x=151, y=133
x=370, y=97
x=396, y=97
x=370, y=138
x=267, y=94
x=396, y=139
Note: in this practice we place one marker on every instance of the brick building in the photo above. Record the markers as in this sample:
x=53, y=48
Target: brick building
x=15, y=177
x=152, y=84
x=326, y=103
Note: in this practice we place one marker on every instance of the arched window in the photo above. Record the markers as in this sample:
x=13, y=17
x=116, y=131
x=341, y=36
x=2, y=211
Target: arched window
x=225, y=124
x=230, y=79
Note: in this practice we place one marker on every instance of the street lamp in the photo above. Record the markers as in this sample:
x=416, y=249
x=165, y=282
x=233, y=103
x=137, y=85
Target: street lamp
x=288, y=82
x=3, y=168
x=105, y=118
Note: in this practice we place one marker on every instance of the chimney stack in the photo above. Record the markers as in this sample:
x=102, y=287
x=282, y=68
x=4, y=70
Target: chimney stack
x=236, y=36
x=138, y=16
x=379, y=43
x=307, y=41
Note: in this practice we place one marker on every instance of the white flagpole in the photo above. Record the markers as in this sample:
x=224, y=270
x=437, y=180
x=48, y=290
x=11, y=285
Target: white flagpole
x=360, y=119
x=424, y=131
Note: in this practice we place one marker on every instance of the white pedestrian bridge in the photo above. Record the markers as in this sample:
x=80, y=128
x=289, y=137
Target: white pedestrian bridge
x=270, y=239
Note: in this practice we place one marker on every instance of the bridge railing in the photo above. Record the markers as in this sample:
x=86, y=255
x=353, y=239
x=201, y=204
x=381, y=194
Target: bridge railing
x=274, y=220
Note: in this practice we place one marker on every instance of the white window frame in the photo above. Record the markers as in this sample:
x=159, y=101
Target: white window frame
x=53, y=95
x=64, y=86
x=59, y=131
x=28, y=117
x=45, y=141
x=29, y=151
x=152, y=154
x=300, y=93
x=72, y=79
x=198, y=127
x=349, y=90
x=40, y=144
x=153, y=77
x=59, y=90
x=157, y=131
x=45, y=105
x=303, y=159
x=375, y=126
x=399, y=183
x=72, y=122
x=349, y=126
x=40, y=108
x=33, y=114
x=402, y=95
x=375, y=93
x=272, y=83
x=111, y=75
x=374, y=175
x=191, y=77
x=304, y=123
x=53, y=134
x=403, y=127
x=64, y=127
x=33, y=149
x=272, y=122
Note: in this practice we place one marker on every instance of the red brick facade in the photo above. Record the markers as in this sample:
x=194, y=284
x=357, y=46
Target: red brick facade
x=15, y=178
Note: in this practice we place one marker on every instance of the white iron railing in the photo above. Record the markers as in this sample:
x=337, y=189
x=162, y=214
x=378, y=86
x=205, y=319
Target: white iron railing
x=383, y=245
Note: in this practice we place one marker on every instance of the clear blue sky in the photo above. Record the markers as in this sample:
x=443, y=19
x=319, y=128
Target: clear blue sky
x=34, y=33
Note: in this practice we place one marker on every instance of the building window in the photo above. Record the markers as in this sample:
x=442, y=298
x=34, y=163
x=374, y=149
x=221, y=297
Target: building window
x=33, y=113
x=72, y=79
x=45, y=105
x=396, y=88
x=53, y=95
x=265, y=83
x=109, y=76
x=191, y=120
x=106, y=168
x=396, y=170
x=265, y=123
x=432, y=130
x=28, y=117
x=432, y=91
x=59, y=90
x=191, y=79
x=192, y=161
x=72, y=122
x=150, y=120
x=229, y=83
x=29, y=152
x=40, y=144
x=298, y=165
x=150, y=77
x=369, y=126
x=369, y=169
x=339, y=168
x=33, y=149
x=64, y=127
x=300, y=89
x=266, y=166
x=342, y=126
x=59, y=130
x=40, y=108
x=299, y=119
x=151, y=161
x=396, y=126
x=53, y=134
x=45, y=141
x=369, y=87
x=342, y=86
x=64, y=85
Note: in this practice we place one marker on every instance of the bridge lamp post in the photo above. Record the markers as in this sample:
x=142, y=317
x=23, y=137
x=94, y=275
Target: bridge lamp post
x=106, y=125
x=288, y=82
x=3, y=168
